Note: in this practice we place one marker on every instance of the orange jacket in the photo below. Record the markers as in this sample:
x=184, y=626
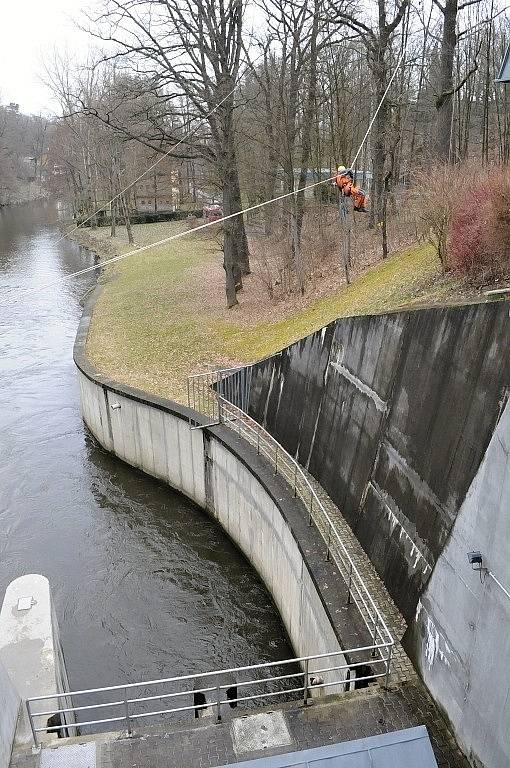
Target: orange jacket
x=349, y=189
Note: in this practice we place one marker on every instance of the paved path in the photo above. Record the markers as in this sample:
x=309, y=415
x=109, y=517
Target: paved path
x=207, y=744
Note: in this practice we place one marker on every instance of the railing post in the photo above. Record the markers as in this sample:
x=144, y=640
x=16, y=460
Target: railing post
x=218, y=703
x=305, y=684
x=349, y=596
x=388, y=667
x=31, y=721
x=328, y=543
x=126, y=709
x=374, y=639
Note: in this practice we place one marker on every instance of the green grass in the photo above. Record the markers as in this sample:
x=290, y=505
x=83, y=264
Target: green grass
x=152, y=326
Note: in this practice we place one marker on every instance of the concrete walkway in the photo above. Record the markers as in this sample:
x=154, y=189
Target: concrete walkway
x=204, y=744
x=401, y=668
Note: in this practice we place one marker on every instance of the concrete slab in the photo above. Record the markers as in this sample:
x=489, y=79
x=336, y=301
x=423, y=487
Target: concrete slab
x=265, y=730
x=26, y=643
x=72, y=756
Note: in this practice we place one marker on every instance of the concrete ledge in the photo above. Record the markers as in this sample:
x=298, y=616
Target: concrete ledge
x=26, y=644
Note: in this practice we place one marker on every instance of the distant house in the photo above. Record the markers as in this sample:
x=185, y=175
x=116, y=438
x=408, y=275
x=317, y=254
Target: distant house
x=157, y=192
x=504, y=74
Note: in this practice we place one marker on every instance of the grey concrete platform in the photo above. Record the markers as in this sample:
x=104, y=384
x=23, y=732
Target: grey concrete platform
x=205, y=744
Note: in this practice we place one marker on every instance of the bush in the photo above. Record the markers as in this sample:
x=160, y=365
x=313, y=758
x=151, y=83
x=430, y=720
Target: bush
x=434, y=191
x=479, y=231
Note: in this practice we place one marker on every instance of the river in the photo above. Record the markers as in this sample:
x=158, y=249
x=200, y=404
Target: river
x=145, y=585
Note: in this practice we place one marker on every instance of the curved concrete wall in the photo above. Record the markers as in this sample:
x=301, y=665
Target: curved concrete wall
x=222, y=475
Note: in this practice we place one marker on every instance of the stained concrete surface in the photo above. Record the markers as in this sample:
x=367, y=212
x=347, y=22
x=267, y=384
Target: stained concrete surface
x=392, y=414
x=27, y=644
x=461, y=631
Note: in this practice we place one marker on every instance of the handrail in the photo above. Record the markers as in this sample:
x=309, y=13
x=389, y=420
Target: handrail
x=213, y=394
x=227, y=385
x=225, y=680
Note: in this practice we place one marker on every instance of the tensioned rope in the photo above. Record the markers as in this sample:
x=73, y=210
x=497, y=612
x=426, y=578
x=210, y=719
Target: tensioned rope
x=208, y=224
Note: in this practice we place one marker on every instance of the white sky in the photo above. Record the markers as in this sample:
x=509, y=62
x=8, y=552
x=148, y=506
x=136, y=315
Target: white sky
x=30, y=30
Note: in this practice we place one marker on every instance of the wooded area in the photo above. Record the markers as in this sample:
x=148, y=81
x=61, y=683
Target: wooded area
x=251, y=101
x=23, y=142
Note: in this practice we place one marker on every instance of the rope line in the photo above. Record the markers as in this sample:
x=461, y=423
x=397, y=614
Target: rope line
x=251, y=208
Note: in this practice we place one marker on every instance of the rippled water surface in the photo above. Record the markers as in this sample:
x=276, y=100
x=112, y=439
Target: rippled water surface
x=144, y=583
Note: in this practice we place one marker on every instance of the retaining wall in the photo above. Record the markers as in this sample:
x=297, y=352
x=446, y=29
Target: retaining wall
x=392, y=414
x=461, y=634
x=404, y=419
x=221, y=474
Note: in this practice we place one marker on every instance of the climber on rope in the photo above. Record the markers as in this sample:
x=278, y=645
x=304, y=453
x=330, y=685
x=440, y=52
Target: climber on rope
x=344, y=180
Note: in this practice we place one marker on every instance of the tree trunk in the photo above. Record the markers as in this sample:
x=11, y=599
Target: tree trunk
x=229, y=249
x=444, y=100
x=241, y=241
x=306, y=136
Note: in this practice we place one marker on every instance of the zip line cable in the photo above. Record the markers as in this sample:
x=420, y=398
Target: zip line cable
x=208, y=224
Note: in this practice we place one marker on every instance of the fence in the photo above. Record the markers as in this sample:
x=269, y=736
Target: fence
x=211, y=692
x=223, y=396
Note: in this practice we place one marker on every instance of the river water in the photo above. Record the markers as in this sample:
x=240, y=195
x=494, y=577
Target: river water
x=145, y=585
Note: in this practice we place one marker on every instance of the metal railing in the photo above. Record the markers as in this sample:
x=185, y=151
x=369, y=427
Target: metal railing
x=207, y=392
x=223, y=396
x=225, y=403
x=211, y=692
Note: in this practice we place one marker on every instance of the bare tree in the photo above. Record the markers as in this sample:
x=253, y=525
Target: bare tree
x=191, y=48
x=377, y=39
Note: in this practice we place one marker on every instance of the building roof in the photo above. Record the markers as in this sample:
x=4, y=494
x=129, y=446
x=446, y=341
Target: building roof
x=504, y=74
x=400, y=749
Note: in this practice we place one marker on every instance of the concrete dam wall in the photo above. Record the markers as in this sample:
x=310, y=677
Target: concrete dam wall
x=223, y=476
x=392, y=414
x=404, y=419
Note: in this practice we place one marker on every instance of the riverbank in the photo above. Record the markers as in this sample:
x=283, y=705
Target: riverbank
x=161, y=314
x=28, y=192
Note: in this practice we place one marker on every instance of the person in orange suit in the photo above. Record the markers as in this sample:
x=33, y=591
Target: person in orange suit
x=344, y=180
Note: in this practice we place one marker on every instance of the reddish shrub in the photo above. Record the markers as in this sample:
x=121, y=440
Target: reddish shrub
x=479, y=232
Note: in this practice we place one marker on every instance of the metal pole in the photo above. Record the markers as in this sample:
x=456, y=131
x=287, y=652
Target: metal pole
x=218, y=703
x=388, y=667
x=31, y=721
x=375, y=634
x=126, y=708
x=219, y=395
x=350, y=584
x=305, y=684
x=329, y=542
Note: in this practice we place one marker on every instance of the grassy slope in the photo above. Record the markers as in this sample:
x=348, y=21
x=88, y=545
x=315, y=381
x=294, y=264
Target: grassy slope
x=150, y=329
